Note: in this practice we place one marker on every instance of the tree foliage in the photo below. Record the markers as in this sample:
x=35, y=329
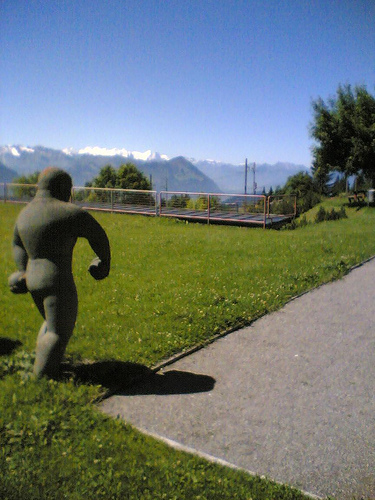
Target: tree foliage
x=106, y=178
x=23, y=191
x=27, y=179
x=305, y=188
x=179, y=201
x=299, y=184
x=344, y=131
x=127, y=176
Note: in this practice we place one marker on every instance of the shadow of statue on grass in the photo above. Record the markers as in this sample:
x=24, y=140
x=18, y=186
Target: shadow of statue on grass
x=126, y=378
x=7, y=346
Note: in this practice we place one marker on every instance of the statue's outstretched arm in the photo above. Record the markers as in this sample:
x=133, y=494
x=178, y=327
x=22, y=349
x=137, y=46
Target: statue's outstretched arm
x=17, y=280
x=98, y=240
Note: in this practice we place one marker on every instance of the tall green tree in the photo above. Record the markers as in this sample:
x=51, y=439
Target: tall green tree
x=344, y=131
x=304, y=187
x=299, y=184
x=129, y=177
x=106, y=178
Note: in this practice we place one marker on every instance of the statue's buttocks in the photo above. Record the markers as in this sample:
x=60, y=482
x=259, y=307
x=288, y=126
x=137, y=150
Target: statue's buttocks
x=45, y=276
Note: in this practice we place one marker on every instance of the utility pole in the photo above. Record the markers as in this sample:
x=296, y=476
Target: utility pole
x=246, y=176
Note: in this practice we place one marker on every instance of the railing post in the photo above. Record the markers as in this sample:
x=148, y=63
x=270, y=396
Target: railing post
x=111, y=201
x=265, y=213
x=5, y=192
x=160, y=203
x=208, y=208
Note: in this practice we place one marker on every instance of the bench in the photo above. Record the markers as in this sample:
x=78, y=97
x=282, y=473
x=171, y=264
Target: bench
x=357, y=198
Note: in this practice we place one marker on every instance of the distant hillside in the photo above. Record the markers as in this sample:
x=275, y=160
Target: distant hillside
x=231, y=178
x=177, y=174
x=6, y=174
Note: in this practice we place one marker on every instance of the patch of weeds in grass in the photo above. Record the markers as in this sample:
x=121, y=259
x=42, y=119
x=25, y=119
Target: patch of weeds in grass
x=21, y=362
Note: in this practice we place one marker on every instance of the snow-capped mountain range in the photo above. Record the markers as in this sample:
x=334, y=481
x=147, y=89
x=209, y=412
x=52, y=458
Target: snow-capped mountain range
x=94, y=151
x=175, y=174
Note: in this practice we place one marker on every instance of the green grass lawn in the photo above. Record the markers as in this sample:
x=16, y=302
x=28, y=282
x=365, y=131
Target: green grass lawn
x=172, y=286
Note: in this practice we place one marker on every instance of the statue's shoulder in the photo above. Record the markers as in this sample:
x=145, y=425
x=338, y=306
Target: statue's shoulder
x=72, y=207
x=26, y=211
x=78, y=213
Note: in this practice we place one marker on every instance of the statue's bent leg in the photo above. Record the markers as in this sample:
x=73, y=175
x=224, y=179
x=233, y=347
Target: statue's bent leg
x=60, y=313
x=38, y=299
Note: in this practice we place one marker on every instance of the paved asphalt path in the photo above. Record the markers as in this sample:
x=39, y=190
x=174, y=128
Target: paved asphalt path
x=290, y=397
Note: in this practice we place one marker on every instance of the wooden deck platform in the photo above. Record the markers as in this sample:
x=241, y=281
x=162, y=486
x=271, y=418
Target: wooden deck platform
x=235, y=219
x=228, y=218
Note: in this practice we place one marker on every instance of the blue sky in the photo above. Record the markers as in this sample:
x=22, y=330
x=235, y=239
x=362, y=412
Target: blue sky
x=220, y=79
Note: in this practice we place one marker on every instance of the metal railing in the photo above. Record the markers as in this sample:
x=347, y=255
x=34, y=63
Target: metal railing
x=116, y=200
x=208, y=207
x=214, y=207
x=107, y=199
x=17, y=193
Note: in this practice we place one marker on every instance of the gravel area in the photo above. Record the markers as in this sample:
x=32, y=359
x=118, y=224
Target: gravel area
x=290, y=397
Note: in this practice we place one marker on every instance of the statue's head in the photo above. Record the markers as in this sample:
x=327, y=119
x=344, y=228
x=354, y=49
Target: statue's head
x=57, y=182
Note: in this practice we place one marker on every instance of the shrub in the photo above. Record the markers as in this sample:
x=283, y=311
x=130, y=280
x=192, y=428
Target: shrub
x=323, y=215
x=302, y=221
x=320, y=215
x=342, y=213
